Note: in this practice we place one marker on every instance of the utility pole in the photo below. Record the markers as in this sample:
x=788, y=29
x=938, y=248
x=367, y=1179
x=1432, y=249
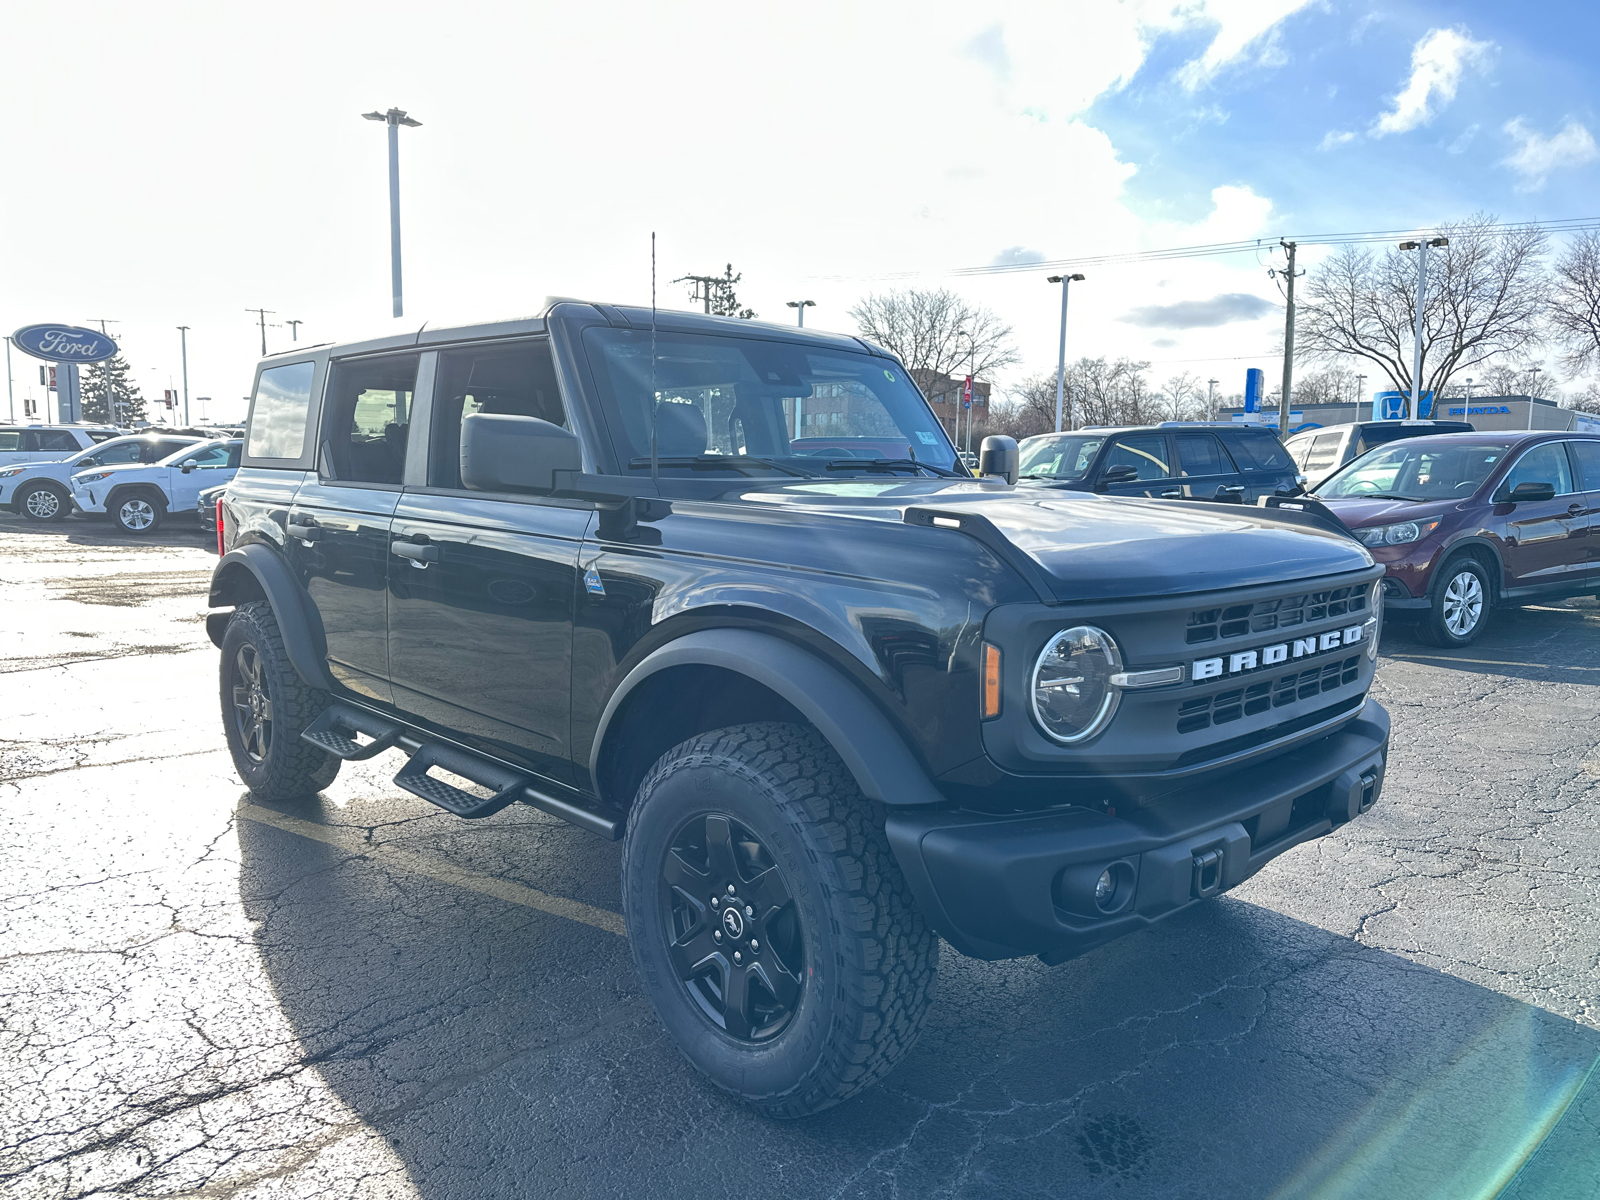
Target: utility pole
x=183, y=334
x=1361, y=387
x=702, y=289
x=1533, y=386
x=1288, y=343
x=261, y=316
x=394, y=118
x=802, y=305
x=11, y=399
x=1211, y=399
x=1415, y=407
x=294, y=329
x=1061, y=354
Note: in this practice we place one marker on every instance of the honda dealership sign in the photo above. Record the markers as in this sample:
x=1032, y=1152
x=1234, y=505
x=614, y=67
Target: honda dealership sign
x=64, y=343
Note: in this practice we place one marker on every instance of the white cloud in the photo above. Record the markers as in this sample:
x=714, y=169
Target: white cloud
x=1335, y=138
x=1242, y=25
x=1464, y=140
x=1536, y=155
x=1437, y=64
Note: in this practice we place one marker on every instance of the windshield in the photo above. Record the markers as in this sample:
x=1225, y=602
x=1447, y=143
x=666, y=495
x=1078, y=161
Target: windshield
x=760, y=408
x=1412, y=471
x=1065, y=457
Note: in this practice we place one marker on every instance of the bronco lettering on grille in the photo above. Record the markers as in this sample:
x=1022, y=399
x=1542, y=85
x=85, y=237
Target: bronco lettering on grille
x=1242, y=662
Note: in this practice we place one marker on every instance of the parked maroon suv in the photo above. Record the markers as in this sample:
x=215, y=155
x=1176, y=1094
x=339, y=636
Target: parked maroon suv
x=1465, y=521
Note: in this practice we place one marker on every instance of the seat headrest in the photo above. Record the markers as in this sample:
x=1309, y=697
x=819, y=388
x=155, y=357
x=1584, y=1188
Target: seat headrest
x=680, y=429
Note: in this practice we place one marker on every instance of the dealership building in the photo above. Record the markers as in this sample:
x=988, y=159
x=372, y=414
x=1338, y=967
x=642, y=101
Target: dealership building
x=1482, y=412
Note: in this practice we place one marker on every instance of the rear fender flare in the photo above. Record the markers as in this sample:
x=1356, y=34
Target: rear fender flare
x=231, y=585
x=873, y=750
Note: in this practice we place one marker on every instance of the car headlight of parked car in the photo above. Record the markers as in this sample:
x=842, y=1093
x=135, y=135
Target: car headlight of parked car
x=11, y=472
x=1073, y=696
x=90, y=477
x=1398, y=534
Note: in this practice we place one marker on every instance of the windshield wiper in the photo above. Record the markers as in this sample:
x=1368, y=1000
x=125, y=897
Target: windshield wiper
x=716, y=462
x=1382, y=496
x=888, y=464
x=1042, y=475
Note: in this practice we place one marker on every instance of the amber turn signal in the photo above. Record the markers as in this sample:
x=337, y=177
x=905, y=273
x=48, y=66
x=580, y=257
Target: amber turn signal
x=991, y=681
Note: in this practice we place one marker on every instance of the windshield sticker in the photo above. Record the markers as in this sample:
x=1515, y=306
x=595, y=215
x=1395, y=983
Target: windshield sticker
x=926, y=438
x=889, y=375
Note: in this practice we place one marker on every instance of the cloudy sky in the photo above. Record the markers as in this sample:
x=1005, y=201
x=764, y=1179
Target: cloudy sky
x=175, y=163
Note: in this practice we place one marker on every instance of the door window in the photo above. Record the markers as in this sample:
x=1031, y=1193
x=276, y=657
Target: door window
x=1146, y=454
x=156, y=451
x=1324, y=452
x=518, y=380
x=211, y=456
x=1268, y=452
x=127, y=452
x=1543, y=464
x=10, y=439
x=1588, y=456
x=278, y=416
x=49, y=439
x=1203, y=454
x=368, y=412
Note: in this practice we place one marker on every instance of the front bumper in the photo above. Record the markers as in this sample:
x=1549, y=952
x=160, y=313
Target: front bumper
x=1004, y=887
x=87, y=501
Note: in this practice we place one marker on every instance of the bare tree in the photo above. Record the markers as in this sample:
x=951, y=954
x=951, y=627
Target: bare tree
x=936, y=333
x=1575, y=304
x=1331, y=385
x=1180, y=395
x=1587, y=400
x=1487, y=296
x=1514, y=378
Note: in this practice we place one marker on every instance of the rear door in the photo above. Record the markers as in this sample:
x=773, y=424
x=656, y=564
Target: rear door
x=1586, y=457
x=1206, y=469
x=1324, y=457
x=213, y=465
x=482, y=586
x=1545, y=540
x=339, y=521
x=1150, y=455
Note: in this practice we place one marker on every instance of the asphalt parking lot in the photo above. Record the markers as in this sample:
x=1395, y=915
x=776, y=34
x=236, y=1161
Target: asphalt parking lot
x=362, y=996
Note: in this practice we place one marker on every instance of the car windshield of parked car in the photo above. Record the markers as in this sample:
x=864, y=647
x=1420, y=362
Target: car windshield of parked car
x=1067, y=457
x=1413, y=471
x=762, y=408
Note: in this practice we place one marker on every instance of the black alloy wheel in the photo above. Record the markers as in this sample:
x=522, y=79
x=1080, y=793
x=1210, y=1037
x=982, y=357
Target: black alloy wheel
x=252, y=706
x=735, y=936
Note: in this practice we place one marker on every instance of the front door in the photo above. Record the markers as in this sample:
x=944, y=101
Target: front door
x=1545, y=539
x=213, y=465
x=339, y=522
x=1150, y=458
x=1586, y=455
x=482, y=586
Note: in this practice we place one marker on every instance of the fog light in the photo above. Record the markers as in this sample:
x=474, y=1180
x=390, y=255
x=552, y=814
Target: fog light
x=1104, y=888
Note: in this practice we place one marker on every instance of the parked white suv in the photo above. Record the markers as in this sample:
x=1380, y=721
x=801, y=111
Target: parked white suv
x=138, y=496
x=49, y=443
x=42, y=491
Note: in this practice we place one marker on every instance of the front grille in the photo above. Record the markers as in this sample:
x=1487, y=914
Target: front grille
x=1240, y=620
x=1223, y=707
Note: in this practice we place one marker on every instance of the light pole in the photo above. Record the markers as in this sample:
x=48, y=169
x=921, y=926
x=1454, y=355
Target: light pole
x=183, y=335
x=1061, y=355
x=802, y=305
x=11, y=400
x=294, y=330
x=394, y=118
x=1361, y=388
x=1533, y=386
x=1211, y=399
x=1422, y=295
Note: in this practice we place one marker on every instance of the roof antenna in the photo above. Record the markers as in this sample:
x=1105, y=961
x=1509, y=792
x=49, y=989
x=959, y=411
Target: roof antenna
x=655, y=460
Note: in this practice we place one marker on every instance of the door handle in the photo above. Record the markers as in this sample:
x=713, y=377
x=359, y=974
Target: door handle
x=419, y=554
x=307, y=533
x=1175, y=494
x=1574, y=509
x=1232, y=491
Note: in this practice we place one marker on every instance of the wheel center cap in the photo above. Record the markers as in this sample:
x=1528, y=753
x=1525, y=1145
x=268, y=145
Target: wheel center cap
x=733, y=922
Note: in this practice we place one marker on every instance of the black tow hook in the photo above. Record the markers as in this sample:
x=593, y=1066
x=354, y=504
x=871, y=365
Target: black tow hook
x=1208, y=872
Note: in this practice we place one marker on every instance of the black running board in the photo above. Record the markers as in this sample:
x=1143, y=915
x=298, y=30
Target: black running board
x=336, y=729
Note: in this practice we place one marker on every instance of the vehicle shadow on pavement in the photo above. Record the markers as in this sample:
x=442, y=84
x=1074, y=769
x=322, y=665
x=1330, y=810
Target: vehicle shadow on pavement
x=1554, y=643
x=502, y=1051
x=180, y=530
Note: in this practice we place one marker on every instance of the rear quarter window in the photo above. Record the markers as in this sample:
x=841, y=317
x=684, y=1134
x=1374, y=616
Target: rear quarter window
x=1265, y=453
x=278, y=416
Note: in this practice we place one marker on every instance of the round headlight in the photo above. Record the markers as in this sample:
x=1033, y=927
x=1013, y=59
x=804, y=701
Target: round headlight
x=1072, y=694
x=1402, y=533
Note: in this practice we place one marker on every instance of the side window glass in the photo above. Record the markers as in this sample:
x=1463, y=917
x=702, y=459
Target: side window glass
x=128, y=452
x=1203, y=454
x=1266, y=452
x=1324, y=451
x=57, y=439
x=156, y=451
x=278, y=416
x=516, y=380
x=235, y=452
x=1588, y=454
x=10, y=440
x=211, y=456
x=1147, y=454
x=1543, y=464
x=367, y=413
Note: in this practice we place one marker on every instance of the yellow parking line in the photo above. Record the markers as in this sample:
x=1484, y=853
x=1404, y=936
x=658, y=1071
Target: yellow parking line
x=353, y=841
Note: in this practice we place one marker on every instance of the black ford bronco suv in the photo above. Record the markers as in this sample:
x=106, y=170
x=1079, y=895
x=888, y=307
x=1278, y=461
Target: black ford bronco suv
x=724, y=591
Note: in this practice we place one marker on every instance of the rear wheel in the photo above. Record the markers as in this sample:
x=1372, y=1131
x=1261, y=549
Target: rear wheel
x=1460, y=606
x=769, y=920
x=43, y=502
x=265, y=708
x=138, y=513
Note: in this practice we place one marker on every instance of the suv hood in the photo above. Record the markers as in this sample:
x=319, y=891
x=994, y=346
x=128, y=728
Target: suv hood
x=1358, y=513
x=1097, y=547
x=116, y=468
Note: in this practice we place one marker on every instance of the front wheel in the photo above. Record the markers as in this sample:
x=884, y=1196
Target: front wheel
x=1460, y=605
x=773, y=930
x=140, y=513
x=44, y=502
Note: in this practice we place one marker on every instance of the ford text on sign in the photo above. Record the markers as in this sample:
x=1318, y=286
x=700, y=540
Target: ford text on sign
x=64, y=343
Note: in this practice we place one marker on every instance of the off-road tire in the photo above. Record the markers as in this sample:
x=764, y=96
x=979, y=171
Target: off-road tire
x=32, y=502
x=1441, y=624
x=122, y=511
x=869, y=956
x=290, y=767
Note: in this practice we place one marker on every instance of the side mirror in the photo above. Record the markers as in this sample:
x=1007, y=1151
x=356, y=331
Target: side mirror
x=999, y=456
x=1525, y=492
x=515, y=454
x=1124, y=473
x=189, y=465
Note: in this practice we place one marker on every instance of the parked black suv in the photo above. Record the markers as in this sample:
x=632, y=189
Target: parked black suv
x=1176, y=460
x=724, y=590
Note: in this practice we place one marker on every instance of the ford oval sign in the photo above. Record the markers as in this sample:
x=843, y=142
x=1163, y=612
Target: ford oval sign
x=64, y=343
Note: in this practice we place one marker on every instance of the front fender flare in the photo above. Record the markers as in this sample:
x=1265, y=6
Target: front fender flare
x=873, y=750
x=297, y=619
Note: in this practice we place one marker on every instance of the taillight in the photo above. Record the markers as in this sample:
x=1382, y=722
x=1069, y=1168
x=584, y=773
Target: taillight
x=219, y=527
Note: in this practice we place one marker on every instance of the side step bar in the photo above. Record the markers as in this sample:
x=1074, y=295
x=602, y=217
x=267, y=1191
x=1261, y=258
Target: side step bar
x=336, y=729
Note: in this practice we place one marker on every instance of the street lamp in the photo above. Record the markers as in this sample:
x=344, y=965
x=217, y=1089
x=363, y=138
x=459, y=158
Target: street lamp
x=1211, y=398
x=183, y=334
x=802, y=305
x=1361, y=388
x=394, y=118
x=1422, y=295
x=1469, y=391
x=294, y=329
x=1061, y=358
x=1533, y=386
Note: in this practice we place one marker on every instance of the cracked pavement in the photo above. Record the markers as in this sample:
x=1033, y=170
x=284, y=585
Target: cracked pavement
x=363, y=996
